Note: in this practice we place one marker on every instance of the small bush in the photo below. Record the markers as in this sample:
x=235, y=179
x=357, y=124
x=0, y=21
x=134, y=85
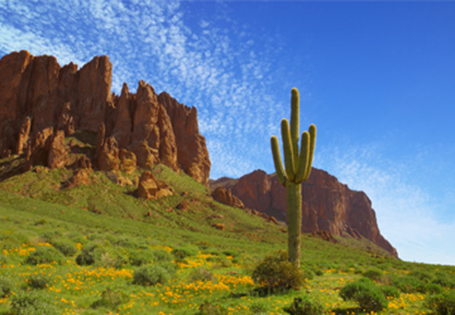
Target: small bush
x=38, y=281
x=423, y=276
x=207, y=308
x=442, y=304
x=201, y=274
x=433, y=288
x=182, y=253
x=65, y=247
x=141, y=257
x=259, y=308
x=3, y=259
x=88, y=255
x=366, y=294
x=44, y=255
x=161, y=255
x=33, y=303
x=408, y=284
x=276, y=274
x=111, y=299
x=374, y=274
x=6, y=286
x=389, y=291
x=304, y=306
x=151, y=275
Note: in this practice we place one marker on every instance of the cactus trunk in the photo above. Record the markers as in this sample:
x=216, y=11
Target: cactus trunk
x=298, y=169
x=294, y=206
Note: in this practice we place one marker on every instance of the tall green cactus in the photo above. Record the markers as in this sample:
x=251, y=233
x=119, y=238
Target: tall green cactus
x=298, y=168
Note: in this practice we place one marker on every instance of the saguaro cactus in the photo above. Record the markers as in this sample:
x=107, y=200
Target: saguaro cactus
x=298, y=168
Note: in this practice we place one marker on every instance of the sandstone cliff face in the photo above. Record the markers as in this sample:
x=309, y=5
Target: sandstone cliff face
x=38, y=98
x=327, y=205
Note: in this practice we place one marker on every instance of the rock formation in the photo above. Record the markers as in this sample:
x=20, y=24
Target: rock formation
x=224, y=196
x=151, y=188
x=327, y=204
x=38, y=98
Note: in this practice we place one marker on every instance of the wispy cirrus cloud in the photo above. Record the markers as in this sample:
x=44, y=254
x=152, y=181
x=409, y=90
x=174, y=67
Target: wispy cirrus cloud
x=221, y=71
x=405, y=211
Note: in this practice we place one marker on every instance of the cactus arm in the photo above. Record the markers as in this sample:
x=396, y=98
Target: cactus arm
x=303, y=157
x=312, y=131
x=295, y=115
x=288, y=150
x=281, y=175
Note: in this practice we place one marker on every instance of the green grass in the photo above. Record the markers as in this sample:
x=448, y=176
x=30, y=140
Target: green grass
x=213, y=267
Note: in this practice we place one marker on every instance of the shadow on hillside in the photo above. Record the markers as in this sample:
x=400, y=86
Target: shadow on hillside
x=12, y=166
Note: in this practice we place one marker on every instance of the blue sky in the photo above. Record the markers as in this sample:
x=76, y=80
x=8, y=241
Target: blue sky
x=377, y=78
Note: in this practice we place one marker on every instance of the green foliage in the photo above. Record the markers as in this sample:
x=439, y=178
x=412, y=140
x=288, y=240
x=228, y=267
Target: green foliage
x=442, y=304
x=33, y=303
x=259, y=308
x=139, y=257
x=364, y=291
x=6, y=286
x=408, y=284
x=275, y=274
x=111, y=299
x=161, y=255
x=374, y=274
x=38, y=281
x=44, y=255
x=304, y=306
x=67, y=248
x=389, y=291
x=201, y=274
x=151, y=275
x=433, y=288
x=422, y=276
x=182, y=253
x=209, y=308
x=103, y=255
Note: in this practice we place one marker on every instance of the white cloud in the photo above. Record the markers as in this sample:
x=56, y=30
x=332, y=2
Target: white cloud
x=405, y=211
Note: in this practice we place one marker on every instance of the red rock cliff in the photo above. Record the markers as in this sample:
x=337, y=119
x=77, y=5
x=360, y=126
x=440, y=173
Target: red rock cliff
x=327, y=204
x=39, y=97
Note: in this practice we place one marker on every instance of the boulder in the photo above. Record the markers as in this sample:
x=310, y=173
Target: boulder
x=151, y=188
x=224, y=196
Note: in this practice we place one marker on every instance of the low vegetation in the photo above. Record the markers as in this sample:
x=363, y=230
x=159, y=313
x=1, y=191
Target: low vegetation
x=134, y=256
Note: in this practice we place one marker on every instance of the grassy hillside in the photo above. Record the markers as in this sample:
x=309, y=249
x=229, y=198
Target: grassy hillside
x=87, y=250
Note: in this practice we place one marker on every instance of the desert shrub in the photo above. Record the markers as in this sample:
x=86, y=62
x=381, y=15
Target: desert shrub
x=182, y=253
x=276, y=274
x=408, y=284
x=151, y=275
x=208, y=308
x=259, y=308
x=433, y=288
x=6, y=286
x=33, y=303
x=442, y=304
x=366, y=294
x=201, y=274
x=374, y=274
x=139, y=257
x=304, y=306
x=111, y=299
x=389, y=291
x=3, y=259
x=444, y=279
x=37, y=281
x=67, y=248
x=44, y=255
x=102, y=255
x=161, y=255
x=88, y=255
x=220, y=261
x=423, y=276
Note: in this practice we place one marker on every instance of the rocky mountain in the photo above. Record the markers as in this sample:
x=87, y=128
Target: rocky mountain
x=327, y=204
x=41, y=103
